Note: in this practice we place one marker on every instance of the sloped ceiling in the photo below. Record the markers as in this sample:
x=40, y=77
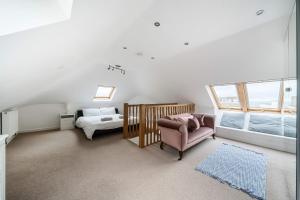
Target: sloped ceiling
x=251, y=55
x=64, y=62
x=19, y=15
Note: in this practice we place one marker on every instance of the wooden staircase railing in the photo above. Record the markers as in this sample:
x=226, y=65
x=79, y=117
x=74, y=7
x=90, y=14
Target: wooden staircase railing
x=140, y=120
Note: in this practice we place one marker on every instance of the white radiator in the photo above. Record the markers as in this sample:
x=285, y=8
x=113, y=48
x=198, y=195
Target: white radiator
x=2, y=167
x=9, y=123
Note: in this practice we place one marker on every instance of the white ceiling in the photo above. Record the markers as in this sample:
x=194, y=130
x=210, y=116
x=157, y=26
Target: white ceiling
x=195, y=21
x=40, y=64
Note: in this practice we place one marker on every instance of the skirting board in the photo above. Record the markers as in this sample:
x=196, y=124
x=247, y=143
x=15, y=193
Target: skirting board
x=9, y=139
x=39, y=129
x=260, y=139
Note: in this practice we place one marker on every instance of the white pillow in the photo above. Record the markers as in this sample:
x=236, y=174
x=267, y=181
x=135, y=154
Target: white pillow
x=91, y=112
x=108, y=111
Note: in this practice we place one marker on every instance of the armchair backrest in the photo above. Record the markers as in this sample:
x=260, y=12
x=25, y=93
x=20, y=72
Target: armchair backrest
x=173, y=124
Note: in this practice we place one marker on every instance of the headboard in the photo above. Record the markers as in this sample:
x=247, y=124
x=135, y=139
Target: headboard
x=79, y=113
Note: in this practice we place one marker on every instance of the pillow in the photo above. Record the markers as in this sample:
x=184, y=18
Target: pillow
x=202, y=120
x=108, y=111
x=183, y=120
x=193, y=124
x=91, y=112
x=176, y=117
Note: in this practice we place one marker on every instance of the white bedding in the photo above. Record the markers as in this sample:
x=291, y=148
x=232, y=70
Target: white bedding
x=91, y=123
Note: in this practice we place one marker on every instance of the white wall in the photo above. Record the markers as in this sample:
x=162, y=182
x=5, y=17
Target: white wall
x=141, y=99
x=270, y=141
x=73, y=55
x=33, y=61
x=75, y=91
x=254, y=54
x=73, y=107
x=40, y=117
x=292, y=51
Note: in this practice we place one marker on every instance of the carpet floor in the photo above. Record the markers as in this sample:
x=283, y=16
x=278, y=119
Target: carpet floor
x=63, y=165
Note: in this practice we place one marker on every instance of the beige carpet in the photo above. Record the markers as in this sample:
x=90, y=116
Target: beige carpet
x=63, y=165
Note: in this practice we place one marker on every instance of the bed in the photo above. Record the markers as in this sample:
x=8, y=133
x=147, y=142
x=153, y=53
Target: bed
x=96, y=122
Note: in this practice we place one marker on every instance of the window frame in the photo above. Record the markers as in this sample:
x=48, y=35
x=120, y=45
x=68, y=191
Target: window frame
x=280, y=98
x=217, y=99
x=105, y=98
x=244, y=98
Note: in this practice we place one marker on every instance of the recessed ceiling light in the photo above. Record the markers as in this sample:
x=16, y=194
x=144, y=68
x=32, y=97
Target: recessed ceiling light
x=139, y=53
x=152, y=58
x=259, y=12
x=157, y=24
x=124, y=47
x=186, y=43
x=60, y=67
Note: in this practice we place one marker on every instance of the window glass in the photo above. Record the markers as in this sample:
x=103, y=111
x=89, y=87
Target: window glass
x=104, y=92
x=227, y=96
x=263, y=95
x=233, y=120
x=265, y=124
x=290, y=94
x=290, y=127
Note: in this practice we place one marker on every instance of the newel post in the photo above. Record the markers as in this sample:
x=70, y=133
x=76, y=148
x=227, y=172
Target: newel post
x=142, y=126
x=125, y=121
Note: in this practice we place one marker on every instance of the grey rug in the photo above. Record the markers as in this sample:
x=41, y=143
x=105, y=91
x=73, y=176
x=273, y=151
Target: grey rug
x=240, y=168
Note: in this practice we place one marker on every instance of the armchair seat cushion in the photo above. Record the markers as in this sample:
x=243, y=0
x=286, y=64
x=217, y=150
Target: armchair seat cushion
x=199, y=133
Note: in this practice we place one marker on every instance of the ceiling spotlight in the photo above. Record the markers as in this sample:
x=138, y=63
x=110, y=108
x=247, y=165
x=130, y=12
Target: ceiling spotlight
x=117, y=68
x=157, y=24
x=124, y=47
x=259, y=12
x=152, y=58
x=186, y=43
x=139, y=53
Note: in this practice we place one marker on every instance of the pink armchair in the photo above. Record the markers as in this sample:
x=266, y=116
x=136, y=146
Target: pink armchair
x=176, y=134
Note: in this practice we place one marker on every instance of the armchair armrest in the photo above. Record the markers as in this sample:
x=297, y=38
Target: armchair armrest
x=173, y=133
x=209, y=120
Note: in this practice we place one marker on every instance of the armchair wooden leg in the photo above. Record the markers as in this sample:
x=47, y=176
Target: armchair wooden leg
x=180, y=155
x=214, y=137
x=161, y=145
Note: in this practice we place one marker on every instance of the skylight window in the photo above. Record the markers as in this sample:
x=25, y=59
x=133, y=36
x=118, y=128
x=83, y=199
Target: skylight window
x=104, y=93
x=226, y=96
x=25, y=15
x=264, y=95
x=266, y=106
x=270, y=96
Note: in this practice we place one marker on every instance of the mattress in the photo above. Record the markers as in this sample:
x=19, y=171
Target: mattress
x=91, y=123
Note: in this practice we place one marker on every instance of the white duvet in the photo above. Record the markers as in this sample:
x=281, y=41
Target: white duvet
x=91, y=123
